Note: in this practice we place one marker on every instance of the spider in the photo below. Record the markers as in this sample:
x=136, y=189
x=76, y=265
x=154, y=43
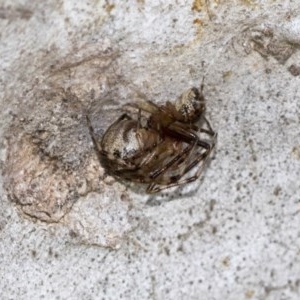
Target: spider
x=158, y=145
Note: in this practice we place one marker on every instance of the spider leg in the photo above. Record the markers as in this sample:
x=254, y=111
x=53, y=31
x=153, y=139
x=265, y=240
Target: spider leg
x=176, y=159
x=157, y=156
x=145, y=105
x=160, y=158
x=210, y=130
x=179, y=131
x=202, y=85
x=175, y=180
x=186, y=152
x=139, y=125
x=93, y=136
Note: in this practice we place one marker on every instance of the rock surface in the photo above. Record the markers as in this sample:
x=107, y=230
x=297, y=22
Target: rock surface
x=68, y=231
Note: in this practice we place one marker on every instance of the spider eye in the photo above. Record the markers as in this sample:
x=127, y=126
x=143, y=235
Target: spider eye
x=116, y=153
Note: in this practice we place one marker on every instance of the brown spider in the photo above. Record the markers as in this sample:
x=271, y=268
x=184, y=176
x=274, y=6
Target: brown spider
x=160, y=145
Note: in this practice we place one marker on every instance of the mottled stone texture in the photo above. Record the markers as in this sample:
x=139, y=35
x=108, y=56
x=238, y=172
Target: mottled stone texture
x=233, y=234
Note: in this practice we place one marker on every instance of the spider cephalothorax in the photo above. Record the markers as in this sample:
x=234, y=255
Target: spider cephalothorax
x=158, y=145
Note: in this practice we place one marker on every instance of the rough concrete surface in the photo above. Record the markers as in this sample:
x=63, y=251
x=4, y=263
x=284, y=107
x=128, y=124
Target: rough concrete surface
x=68, y=231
